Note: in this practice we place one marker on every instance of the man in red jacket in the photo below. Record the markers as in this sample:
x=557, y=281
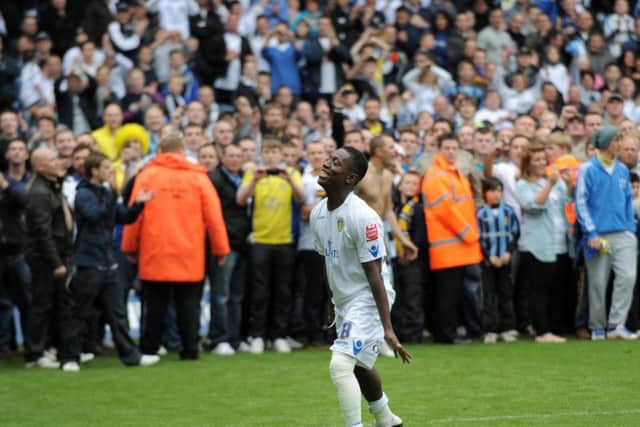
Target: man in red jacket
x=169, y=241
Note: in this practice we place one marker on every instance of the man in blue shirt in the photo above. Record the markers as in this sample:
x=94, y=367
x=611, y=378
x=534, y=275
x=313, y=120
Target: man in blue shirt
x=605, y=213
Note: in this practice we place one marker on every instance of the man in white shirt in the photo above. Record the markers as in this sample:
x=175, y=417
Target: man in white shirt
x=350, y=235
x=173, y=15
x=225, y=86
x=315, y=294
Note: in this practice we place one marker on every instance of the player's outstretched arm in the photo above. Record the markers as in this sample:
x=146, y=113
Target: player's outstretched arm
x=373, y=271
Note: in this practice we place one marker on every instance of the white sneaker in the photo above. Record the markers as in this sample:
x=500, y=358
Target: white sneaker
x=223, y=349
x=70, y=367
x=281, y=345
x=256, y=346
x=48, y=363
x=162, y=351
x=86, y=357
x=149, y=359
x=395, y=421
x=51, y=353
x=509, y=336
x=490, y=338
x=43, y=362
x=386, y=351
x=243, y=347
x=621, y=333
x=294, y=344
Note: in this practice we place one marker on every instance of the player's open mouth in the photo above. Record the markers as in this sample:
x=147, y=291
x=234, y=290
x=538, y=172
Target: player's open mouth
x=323, y=174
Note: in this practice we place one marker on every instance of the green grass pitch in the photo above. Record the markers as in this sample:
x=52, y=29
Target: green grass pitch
x=523, y=384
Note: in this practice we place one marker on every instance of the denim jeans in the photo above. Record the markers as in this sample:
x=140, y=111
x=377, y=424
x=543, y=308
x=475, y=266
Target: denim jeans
x=15, y=280
x=472, y=310
x=227, y=290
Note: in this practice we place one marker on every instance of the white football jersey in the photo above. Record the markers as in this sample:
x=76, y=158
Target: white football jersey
x=347, y=237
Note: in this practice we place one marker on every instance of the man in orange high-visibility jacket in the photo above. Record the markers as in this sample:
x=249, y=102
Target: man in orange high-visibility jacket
x=168, y=239
x=452, y=229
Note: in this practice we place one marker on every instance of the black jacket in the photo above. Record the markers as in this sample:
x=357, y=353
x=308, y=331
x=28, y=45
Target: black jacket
x=235, y=216
x=210, y=57
x=13, y=201
x=48, y=238
x=97, y=211
x=87, y=102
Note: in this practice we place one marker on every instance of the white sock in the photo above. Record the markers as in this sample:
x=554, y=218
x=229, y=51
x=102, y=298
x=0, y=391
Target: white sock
x=347, y=388
x=380, y=410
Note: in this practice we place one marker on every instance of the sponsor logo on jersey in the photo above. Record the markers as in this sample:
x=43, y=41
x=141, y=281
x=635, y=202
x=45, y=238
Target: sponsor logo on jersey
x=330, y=252
x=371, y=232
x=357, y=347
x=340, y=224
x=373, y=250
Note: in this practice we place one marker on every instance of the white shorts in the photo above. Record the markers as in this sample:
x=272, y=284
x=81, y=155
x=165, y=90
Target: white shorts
x=360, y=335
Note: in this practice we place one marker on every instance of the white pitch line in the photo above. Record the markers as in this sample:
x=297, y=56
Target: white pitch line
x=452, y=420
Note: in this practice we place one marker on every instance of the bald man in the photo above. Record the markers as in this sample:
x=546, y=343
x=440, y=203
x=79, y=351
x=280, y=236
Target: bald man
x=48, y=250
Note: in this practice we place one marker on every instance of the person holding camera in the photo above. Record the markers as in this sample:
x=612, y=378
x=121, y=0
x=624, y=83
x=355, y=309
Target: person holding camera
x=282, y=56
x=273, y=188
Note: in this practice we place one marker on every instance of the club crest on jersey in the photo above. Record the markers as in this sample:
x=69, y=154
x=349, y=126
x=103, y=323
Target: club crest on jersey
x=371, y=232
x=340, y=224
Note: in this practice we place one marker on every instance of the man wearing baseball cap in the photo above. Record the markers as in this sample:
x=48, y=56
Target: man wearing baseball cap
x=605, y=213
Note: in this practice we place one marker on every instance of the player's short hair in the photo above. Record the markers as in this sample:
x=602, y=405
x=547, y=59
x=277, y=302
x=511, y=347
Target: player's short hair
x=93, y=162
x=207, y=145
x=81, y=147
x=491, y=183
x=377, y=142
x=359, y=163
x=271, y=142
x=171, y=143
x=447, y=137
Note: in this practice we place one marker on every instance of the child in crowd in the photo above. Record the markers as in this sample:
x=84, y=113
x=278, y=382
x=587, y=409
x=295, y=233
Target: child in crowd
x=499, y=233
x=408, y=312
x=174, y=99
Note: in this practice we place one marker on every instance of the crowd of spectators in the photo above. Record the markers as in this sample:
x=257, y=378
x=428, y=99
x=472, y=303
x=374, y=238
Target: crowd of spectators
x=511, y=130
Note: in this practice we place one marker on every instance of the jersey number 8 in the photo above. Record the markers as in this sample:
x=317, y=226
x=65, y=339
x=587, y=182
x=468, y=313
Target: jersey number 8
x=346, y=330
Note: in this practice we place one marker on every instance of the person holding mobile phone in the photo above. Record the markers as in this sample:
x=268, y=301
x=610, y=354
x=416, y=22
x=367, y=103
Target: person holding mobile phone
x=272, y=188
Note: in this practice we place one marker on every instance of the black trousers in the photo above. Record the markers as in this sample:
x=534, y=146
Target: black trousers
x=565, y=293
x=408, y=310
x=15, y=279
x=551, y=295
x=522, y=293
x=449, y=284
x=271, y=291
x=497, y=289
x=50, y=312
x=155, y=298
x=315, y=296
x=93, y=288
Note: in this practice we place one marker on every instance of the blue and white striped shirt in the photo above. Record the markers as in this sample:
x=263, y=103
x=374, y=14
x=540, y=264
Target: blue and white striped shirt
x=499, y=230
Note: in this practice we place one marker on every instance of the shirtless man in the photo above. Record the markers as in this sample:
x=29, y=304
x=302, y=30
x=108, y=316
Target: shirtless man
x=375, y=188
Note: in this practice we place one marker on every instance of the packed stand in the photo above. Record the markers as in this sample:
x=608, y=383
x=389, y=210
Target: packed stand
x=157, y=149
